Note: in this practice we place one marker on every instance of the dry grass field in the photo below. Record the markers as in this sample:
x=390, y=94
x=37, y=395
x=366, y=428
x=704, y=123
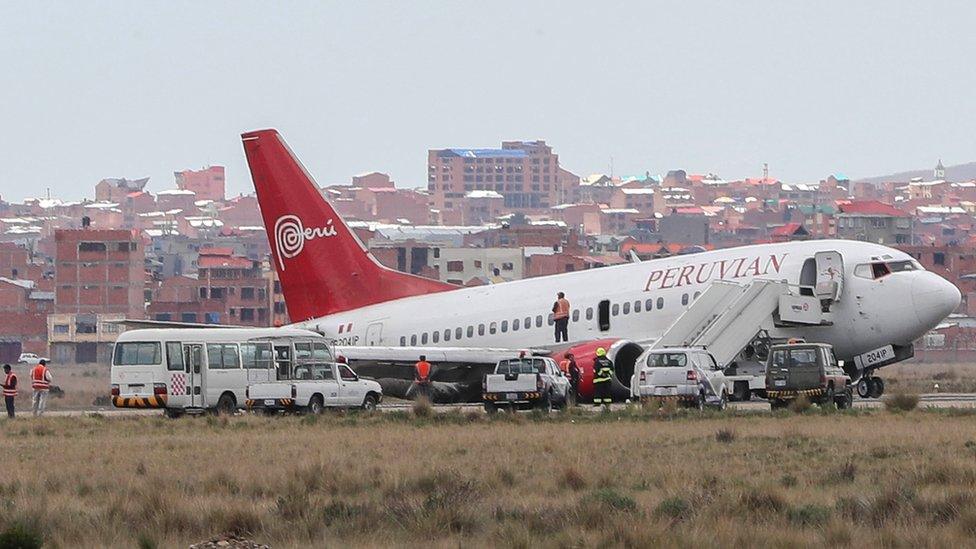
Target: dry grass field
x=631, y=479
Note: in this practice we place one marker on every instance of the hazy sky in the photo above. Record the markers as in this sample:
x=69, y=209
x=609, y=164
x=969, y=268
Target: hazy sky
x=100, y=89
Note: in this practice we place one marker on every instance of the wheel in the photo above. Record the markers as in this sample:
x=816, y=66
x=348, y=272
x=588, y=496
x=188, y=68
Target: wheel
x=491, y=409
x=172, y=413
x=700, y=403
x=828, y=397
x=877, y=387
x=777, y=404
x=864, y=387
x=723, y=402
x=226, y=405
x=570, y=399
x=314, y=405
x=846, y=400
x=369, y=403
x=740, y=391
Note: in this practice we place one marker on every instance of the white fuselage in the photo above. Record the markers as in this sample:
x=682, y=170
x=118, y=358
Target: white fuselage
x=896, y=309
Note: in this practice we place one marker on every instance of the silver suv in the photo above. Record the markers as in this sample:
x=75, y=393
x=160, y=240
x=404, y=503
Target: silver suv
x=690, y=375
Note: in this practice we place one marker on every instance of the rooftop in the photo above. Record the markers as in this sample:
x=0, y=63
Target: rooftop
x=485, y=153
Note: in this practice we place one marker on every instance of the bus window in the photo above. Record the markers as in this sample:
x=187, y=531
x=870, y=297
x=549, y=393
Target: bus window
x=174, y=355
x=283, y=361
x=137, y=354
x=320, y=351
x=222, y=356
x=303, y=351
x=256, y=355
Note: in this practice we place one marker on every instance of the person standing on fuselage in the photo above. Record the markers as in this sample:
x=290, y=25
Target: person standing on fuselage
x=560, y=317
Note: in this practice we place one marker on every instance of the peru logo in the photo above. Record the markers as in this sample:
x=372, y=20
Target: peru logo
x=291, y=235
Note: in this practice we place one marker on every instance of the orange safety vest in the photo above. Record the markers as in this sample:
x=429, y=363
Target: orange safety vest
x=39, y=378
x=423, y=371
x=562, y=308
x=10, y=385
x=564, y=366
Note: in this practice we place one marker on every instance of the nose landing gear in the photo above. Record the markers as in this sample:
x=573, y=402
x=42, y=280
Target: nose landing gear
x=870, y=387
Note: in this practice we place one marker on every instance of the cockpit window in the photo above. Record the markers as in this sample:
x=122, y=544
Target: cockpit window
x=881, y=269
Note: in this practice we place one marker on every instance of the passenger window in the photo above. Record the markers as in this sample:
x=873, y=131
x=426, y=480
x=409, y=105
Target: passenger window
x=256, y=356
x=660, y=303
x=470, y=331
x=684, y=299
x=551, y=321
x=481, y=329
x=436, y=336
x=230, y=357
x=696, y=296
x=447, y=334
x=403, y=341
x=637, y=306
x=303, y=351
x=649, y=304
x=457, y=333
x=528, y=322
x=413, y=340
x=493, y=328
x=575, y=315
x=174, y=355
x=515, y=324
x=320, y=351
x=504, y=326
x=423, y=338
x=626, y=307
x=538, y=321
x=589, y=313
x=615, y=309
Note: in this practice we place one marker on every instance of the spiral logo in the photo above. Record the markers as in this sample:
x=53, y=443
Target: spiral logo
x=290, y=236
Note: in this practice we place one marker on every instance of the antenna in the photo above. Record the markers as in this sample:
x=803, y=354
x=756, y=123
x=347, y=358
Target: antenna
x=765, y=172
x=611, y=167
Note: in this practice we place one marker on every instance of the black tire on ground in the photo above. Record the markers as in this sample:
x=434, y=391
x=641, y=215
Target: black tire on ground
x=173, y=413
x=864, y=387
x=828, y=398
x=846, y=400
x=491, y=409
x=700, y=403
x=370, y=402
x=315, y=405
x=723, y=402
x=545, y=403
x=226, y=405
x=777, y=404
x=740, y=391
x=570, y=399
x=877, y=387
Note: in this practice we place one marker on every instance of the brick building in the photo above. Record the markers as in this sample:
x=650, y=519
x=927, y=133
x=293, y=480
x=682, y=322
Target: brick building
x=115, y=189
x=23, y=318
x=99, y=271
x=228, y=289
x=207, y=184
x=525, y=173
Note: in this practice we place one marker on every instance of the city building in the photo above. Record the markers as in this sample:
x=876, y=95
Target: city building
x=873, y=221
x=99, y=271
x=81, y=338
x=115, y=189
x=461, y=265
x=206, y=184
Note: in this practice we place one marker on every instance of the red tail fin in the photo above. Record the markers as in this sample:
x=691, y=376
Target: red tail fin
x=323, y=267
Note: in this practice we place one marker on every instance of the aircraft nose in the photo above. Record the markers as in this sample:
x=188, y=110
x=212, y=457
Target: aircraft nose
x=934, y=298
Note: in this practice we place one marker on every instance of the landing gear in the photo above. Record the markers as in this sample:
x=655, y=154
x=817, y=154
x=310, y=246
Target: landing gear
x=870, y=387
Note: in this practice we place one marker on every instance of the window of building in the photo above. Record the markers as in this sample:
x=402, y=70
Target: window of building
x=188, y=317
x=91, y=246
x=247, y=293
x=203, y=293
x=247, y=314
x=217, y=293
x=211, y=318
x=455, y=266
x=63, y=328
x=508, y=266
x=938, y=258
x=477, y=263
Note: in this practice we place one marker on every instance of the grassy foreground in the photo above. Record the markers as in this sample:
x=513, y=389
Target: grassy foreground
x=622, y=479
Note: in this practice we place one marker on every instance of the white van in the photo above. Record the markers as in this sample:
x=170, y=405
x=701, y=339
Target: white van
x=196, y=369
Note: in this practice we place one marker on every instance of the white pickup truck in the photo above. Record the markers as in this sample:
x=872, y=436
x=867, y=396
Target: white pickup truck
x=526, y=382
x=313, y=387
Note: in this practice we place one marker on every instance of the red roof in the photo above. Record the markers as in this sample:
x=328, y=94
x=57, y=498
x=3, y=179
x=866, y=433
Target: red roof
x=786, y=230
x=225, y=251
x=870, y=207
x=210, y=262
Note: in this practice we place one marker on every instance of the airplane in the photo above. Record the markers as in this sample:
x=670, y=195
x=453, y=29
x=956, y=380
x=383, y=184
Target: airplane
x=884, y=299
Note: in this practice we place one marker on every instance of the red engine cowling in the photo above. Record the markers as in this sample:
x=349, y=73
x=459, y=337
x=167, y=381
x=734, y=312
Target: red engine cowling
x=623, y=353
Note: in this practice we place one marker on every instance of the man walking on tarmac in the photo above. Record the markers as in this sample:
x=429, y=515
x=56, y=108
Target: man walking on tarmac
x=602, y=374
x=421, y=376
x=560, y=317
x=41, y=384
x=9, y=389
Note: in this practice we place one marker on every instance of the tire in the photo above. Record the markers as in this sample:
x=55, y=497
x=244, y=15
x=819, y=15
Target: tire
x=545, y=404
x=226, y=405
x=777, y=404
x=570, y=399
x=877, y=387
x=864, y=387
x=846, y=400
x=700, y=403
x=370, y=402
x=315, y=405
x=828, y=398
x=723, y=402
x=172, y=413
x=491, y=409
x=740, y=391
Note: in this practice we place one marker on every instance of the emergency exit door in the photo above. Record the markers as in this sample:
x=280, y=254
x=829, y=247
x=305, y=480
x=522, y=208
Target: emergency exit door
x=193, y=367
x=374, y=334
x=830, y=275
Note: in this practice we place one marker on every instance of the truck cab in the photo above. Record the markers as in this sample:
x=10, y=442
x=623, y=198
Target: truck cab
x=806, y=369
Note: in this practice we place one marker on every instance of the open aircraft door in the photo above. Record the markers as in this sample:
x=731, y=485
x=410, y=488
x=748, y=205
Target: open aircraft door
x=830, y=275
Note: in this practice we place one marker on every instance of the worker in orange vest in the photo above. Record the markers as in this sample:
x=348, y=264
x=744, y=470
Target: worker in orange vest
x=41, y=384
x=421, y=377
x=560, y=317
x=572, y=371
x=9, y=389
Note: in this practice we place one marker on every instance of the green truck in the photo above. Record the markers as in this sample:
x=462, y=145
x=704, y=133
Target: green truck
x=806, y=369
